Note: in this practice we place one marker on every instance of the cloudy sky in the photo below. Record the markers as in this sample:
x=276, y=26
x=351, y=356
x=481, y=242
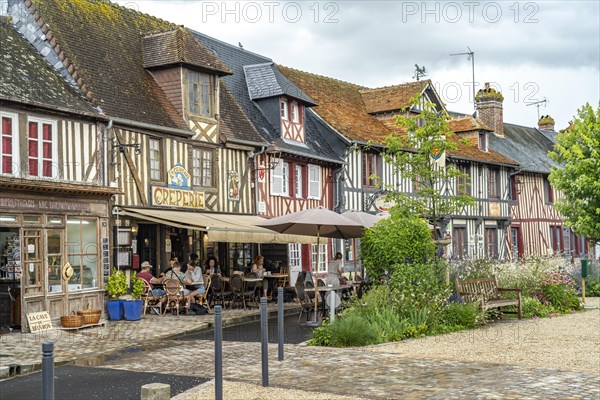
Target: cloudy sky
x=531, y=51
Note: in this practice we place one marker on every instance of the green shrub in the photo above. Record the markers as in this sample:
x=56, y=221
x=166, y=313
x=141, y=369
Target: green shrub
x=321, y=336
x=532, y=307
x=559, y=289
x=592, y=288
x=352, y=330
x=462, y=316
x=389, y=326
x=415, y=331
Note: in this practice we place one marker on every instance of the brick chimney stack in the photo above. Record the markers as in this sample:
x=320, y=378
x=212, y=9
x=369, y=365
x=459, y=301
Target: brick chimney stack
x=488, y=103
x=546, y=122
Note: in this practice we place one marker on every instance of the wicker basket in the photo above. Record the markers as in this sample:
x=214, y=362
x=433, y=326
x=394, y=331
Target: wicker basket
x=90, y=316
x=71, y=321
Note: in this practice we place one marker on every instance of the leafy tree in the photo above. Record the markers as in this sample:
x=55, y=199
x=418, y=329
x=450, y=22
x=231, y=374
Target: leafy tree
x=578, y=150
x=417, y=153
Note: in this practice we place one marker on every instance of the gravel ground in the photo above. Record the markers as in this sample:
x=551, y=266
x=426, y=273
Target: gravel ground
x=566, y=342
x=247, y=391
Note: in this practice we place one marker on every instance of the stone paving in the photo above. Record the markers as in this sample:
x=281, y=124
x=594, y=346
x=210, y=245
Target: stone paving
x=24, y=349
x=365, y=374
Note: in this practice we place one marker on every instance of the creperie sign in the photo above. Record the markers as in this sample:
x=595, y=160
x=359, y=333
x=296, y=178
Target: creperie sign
x=169, y=197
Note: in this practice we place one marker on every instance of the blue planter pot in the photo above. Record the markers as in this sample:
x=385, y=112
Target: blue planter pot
x=133, y=309
x=115, y=309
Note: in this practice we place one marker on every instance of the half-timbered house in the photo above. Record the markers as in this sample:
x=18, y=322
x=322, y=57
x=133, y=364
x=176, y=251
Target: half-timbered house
x=536, y=226
x=54, y=193
x=181, y=150
x=363, y=117
x=297, y=169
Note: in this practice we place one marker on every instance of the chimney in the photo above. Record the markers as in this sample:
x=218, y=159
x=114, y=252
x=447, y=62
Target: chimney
x=488, y=103
x=546, y=122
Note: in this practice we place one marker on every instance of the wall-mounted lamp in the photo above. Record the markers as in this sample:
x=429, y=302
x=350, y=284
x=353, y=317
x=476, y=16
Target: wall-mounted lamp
x=134, y=229
x=121, y=148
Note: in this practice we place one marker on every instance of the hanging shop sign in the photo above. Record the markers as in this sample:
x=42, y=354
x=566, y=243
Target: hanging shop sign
x=178, y=193
x=233, y=186
x=382, y=204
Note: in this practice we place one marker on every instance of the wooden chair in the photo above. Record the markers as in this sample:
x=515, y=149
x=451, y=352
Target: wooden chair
x=283, y=282
x=202, y=299
x=237, y=290
x=174, y=295
x=250, y=289
x=217, y=288
x=303, y=301
x=150, y=299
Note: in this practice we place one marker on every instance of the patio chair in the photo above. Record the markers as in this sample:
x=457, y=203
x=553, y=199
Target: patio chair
x=303, y=301
x=202, y=299
x=250, y=289
x=217, y=288
x=311, y=296
x=237, y=290
x=282, y=282
x=174, y=296
x=150, y=299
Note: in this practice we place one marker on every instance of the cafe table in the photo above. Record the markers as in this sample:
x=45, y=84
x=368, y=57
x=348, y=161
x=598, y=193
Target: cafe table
x=329, y=289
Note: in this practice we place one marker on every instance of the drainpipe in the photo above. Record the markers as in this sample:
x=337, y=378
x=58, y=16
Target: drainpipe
x=254, y=165
x=106, y=150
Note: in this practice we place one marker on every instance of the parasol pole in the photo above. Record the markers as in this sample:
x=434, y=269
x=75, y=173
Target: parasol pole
x=316, y=282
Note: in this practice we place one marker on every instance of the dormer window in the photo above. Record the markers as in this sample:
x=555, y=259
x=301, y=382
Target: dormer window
x=284, y=109
x=483, y=144
x=200, y=94
x=295, y=112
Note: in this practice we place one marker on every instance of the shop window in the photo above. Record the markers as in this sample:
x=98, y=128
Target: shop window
x=202, y=167
x=32, y=261
x=295, y=255
x=55, y=220
x=32, y=219
x=240, y=255
x=82, y=251
x=42, y=148
x=9, y=144
x=322, y=264
x=54, y=253
x=9, y=219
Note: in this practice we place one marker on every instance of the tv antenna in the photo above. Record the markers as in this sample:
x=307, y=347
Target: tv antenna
x=470, y=56
x=420, y=72
x=538, y=104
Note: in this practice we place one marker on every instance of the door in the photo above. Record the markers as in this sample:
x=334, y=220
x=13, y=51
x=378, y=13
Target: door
x=516, y=242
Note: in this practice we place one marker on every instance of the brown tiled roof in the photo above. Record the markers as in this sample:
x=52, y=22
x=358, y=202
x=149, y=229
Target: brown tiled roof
x=178, y=46
x=101, y=43
x=467, y=123
x=340, y=104
x=391, y=98
x=234, y=122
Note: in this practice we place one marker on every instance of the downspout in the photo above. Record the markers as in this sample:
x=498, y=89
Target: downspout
x=106, y=150
x=254, y=165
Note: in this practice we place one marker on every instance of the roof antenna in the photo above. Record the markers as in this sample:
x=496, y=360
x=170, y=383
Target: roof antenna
x=538, y=104
x=470, y=56
x=419, y=72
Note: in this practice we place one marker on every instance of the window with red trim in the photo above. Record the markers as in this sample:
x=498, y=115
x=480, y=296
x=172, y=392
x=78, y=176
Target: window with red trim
x=370, y=168
x=9, y=144
x=41, y=148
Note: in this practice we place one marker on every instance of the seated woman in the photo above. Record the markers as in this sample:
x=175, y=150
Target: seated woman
x=259, y=269
x=176, y=273
x=212, y=266
x=194, y=274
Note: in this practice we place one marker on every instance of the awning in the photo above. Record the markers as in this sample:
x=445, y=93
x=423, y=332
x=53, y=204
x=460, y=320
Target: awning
x=219, y=227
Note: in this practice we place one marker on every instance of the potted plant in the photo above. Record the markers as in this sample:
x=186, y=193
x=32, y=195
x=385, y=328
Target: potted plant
x=133, y=308
x=116, y=287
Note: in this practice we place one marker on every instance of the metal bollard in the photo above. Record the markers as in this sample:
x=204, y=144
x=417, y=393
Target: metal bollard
x=218, y=354
x=280, y=323
x=264, y=330
x=48, y=370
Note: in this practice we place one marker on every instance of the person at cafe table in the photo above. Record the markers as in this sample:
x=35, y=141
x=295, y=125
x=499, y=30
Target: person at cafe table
x=194, y=279
x=148, y=277
x=212, y=266
x=176, y=273
x=259, y=269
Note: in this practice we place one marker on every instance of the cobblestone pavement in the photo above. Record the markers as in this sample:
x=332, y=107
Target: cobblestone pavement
x=365, y=374
x=25, y=349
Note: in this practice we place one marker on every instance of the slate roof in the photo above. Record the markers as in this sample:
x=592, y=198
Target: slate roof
x=27, y=78
x=528, y=146
x=103, y=46
x=236, y=58
x=178, y=46
x=340, y=104
x=264, y=81
x=235, y=125
x=391, y=98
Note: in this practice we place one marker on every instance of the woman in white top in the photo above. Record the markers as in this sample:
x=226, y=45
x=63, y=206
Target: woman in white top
x=335, y=271
x=259, y=269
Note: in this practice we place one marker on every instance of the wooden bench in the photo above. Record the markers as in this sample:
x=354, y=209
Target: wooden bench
x=487, y=292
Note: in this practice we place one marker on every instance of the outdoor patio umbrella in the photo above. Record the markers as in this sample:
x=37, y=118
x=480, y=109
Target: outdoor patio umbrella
x=319, y=222
x=367, y=221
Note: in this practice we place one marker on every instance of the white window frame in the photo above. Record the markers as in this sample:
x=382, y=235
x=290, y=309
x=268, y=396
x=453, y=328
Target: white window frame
x=295, y=255
x=201, y=165
x=280, y=178
x=283, y=109
x=323, y=257
x=155, y=172
x=299, y=188
x=314, y=185
x=54, y=160
x=15, y=144
x=295, y=112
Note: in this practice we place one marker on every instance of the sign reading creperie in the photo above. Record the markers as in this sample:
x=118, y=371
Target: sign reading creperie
x=168, y=197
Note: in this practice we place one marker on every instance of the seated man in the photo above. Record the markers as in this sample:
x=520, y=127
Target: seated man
x=148, y=277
